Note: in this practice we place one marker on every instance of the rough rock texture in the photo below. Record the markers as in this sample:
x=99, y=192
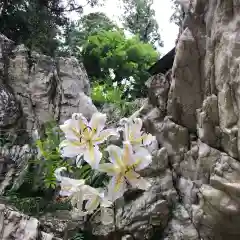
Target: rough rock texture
x=34, y=89
x=45, y=89
x=194, y=112
x=9, y=109
x=17, y=226
x=61, y=224
x=13, y=165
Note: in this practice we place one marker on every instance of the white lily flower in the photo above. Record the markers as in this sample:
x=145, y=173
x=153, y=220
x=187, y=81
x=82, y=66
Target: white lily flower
x=134, y=135
x=112, y=74
x=77, y=203
x=68, y=185
x=131, y=79
x=83, y=137
x=93, y=198
x=123, y=167
x=133, y=116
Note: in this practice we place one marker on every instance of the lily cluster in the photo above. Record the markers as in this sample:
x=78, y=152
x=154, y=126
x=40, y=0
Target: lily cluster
x=83, y=139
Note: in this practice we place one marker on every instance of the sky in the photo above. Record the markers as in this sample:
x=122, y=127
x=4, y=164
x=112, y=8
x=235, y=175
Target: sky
x=163, y=9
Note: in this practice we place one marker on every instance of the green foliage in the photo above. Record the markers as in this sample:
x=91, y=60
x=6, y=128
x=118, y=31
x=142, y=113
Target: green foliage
x=77, y=33
x=78, y=236
x=127, y=108
x=98, y=93
x=37, y=23
x=39, y=173
x=7, y=139
x=33, y=23
x=35, y=206
x=139, y=19
x=105, y=93
x=50, y=157
x=42, y=169
x=92, y=178
x=83, y=236
x=127, y=57
x=35, y=195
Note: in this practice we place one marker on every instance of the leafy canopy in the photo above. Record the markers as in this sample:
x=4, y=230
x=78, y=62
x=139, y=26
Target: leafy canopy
x=139, y=19
x=77, y=33
x=37, y=23
x=128, y=57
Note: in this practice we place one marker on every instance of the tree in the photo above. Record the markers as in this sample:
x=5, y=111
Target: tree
x=127, y=57
x=94, y=22
x=73, y=5
x=139, y=19
x=76, y=34
x=32, y=22
x=36, y=23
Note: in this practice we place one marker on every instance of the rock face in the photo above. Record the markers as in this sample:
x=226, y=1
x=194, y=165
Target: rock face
x=35, y=89
x=194, y=112
x=13, y=165
x=15, y=225
x=9, y=108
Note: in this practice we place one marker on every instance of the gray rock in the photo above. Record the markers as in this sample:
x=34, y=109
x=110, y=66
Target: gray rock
x=44, y=88
x=15, y=225
x=13, y=165
x=9, y=109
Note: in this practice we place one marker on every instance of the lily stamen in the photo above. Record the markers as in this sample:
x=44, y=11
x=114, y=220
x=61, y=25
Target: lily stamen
x=83, y=137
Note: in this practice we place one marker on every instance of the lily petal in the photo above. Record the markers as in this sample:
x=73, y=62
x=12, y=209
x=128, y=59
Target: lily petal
x=97, y=122
x=79, y=122
x=70, y=149
x=77, y=199
x=137, y=181
x=108, y=168
x=115, y=155
x=93, y=197
x=93, y=156
x=71, y=133
x=92, y=204
x=69, y=186
x=132, y=129
x=116, y=188
x=104, y=134
x=123, y=121
x=136, y=125
x=142, y=159
x=89, y=192
x=127, y=156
